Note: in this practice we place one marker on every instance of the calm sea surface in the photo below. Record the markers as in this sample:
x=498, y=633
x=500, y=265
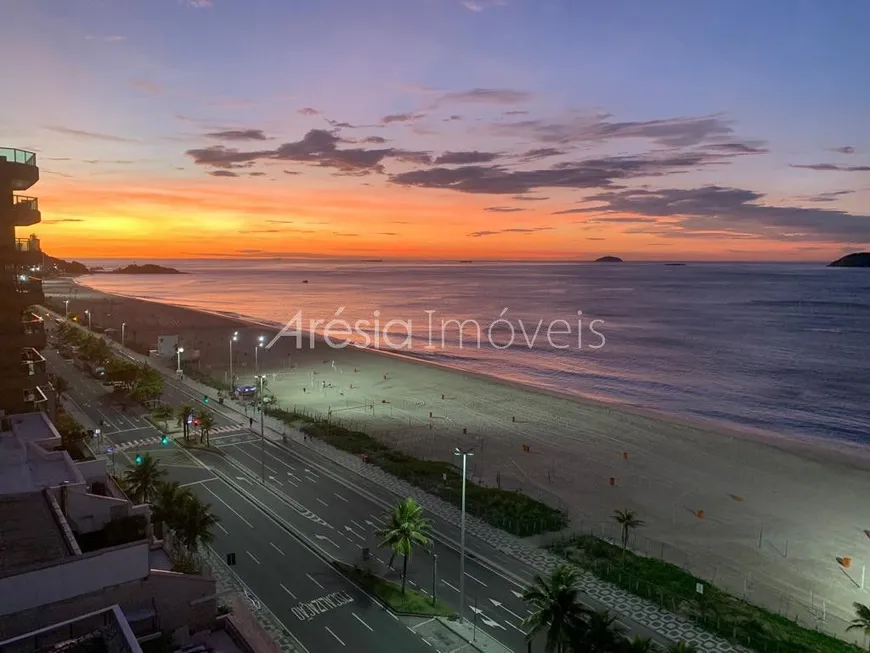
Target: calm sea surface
x=780, y=347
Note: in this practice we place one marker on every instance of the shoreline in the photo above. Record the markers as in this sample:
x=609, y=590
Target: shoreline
x=840, y=452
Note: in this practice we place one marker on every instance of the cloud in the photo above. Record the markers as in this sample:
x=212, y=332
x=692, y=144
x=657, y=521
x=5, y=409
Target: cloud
x=479, y=5
x=262, y=231
x=387, y=233
x=755, y=147
x=410, y=156
x=830, y=196
x=377, y=140
x=239, y=135
x=832, y=167
x=108, y=39
x=589, y=173
x=572, y=211
x=529, y=198
x=291, y=172
x=218, y=156
x=308, y=111
x=672, y=132
x=280, y=221
x=513, y=230
x=453, y=118
x=200, y=4
x=148, y=86
x=485, y=96
x=541, y=153
x=515, y=113
x=846, y=149
x=223, y=173
x=464, y=158
x=57, y=220
x=399, y=117
x=713, y=211
x=97, y=136
x=504, y=209
x=257, y=174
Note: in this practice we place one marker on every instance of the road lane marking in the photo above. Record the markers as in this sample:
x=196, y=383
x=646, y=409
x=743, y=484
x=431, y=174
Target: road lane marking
x=288, y=591
x=313, y=480
x=253, y=557
x=361, y=621
x=323, y=537
x=205, y=480
x=476, y=580
x=314, y=580
x=322, y=502
x=334, y=635
x=358, y=525
x=378, y=519
x=207, y=489
x=455, y=589
x=221, y=526
x=277, y=549
x=340, y=497
x=274, y=471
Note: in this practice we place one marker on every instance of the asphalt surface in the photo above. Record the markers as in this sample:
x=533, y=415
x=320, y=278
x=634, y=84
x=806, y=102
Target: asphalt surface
x=307, y=509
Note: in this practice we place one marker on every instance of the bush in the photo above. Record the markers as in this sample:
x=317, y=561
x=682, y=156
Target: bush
x=411, y=602
x=676, y=590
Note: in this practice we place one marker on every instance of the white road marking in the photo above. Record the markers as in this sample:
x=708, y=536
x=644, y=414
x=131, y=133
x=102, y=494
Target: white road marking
x=455, y=589
x=288, y=591
x=205, y=480
x=253, y=557
x=322, y=502
x=313, y=480
x=476, y=580
x=361, y=621
x=378, y=519
x=340, y=497
x=334, y=635
x=323, y=537
x=357, y=524
x=277, y=549
x=232, y=510
x=221, y=526
x=314, y=580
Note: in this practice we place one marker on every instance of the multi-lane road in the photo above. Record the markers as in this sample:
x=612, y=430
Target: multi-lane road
x=286, y=511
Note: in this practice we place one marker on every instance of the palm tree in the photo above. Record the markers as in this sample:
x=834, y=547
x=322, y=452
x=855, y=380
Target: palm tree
x=166, y=506
x=406, y=528
x=637, y=645
x=195, y=523
x=682, y=647
x=142, y=480
x=599, y=633
x=185, y=412
x=163, y=413
x=206, y=424
x=628, y=520
x=862, y=619
x=61, y=385
x=555, y=608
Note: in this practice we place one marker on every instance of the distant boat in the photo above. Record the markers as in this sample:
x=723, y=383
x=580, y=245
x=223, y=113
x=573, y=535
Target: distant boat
x=676, y=265
x=305, y=281
x=608, y=259
x=468, y=261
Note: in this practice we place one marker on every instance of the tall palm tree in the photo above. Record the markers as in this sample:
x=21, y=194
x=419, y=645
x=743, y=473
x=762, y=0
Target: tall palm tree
x=195, y=523
x=406, y=527
x=185, y=411
x=206, y=424
x=555, y=608
x=862, y=619
x=599, y=633
x=637, y=645
x=142, y=480
x=628, y=520
x=169, y=498
x=682, y=647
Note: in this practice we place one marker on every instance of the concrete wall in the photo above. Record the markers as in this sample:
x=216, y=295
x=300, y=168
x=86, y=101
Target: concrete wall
x=93, y=470
x=179, y=600
x=90, y=512
x=75, y=576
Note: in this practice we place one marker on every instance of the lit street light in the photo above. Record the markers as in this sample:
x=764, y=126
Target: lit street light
x=123, y=332
x=233, y=339
x=88, y=313
x=465, y=453
x=260, y=342
x=66, y=308
x=179, y=352
x=261, y=379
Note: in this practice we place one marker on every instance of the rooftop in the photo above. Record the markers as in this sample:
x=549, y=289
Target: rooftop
x=26, y=463
x=103, y=630
x=30, y=534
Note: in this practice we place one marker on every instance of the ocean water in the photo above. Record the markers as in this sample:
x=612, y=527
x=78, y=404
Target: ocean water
x=784, y=348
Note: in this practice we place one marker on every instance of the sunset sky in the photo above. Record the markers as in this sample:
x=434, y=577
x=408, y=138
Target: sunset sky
x=513, y=129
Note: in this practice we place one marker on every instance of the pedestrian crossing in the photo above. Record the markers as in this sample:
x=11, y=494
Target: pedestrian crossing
x=157, y=439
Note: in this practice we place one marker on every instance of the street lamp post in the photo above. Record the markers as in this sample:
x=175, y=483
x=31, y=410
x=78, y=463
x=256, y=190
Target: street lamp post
x=123, y=332
x=434, y=577
x=465, y=453
x=88, y=313
x=233, y=339
x=262, y=378
x=179, y=352
x=66, y=308
x=260, y=341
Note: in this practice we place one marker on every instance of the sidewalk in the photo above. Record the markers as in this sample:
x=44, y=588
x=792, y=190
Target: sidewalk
x=666, y=624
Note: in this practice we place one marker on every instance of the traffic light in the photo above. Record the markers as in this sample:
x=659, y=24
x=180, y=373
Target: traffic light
x=165, y=440
x=138, y=458
x=205, y=398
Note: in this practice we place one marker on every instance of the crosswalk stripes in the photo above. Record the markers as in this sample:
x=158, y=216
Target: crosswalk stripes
x=155, y=439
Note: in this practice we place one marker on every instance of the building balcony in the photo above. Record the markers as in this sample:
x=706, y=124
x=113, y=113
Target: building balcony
x=25, y=252
x=25, y=211
x=33, y=365
x=18, y=169
x=33, y=331
x=35, y=399
x=24, y=290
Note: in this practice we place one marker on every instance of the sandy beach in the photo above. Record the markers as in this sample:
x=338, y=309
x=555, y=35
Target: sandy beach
x=759, y=515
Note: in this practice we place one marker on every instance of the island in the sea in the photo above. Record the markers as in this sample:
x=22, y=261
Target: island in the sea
x=857, y=260
x=609, y=259
x=148, y=268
